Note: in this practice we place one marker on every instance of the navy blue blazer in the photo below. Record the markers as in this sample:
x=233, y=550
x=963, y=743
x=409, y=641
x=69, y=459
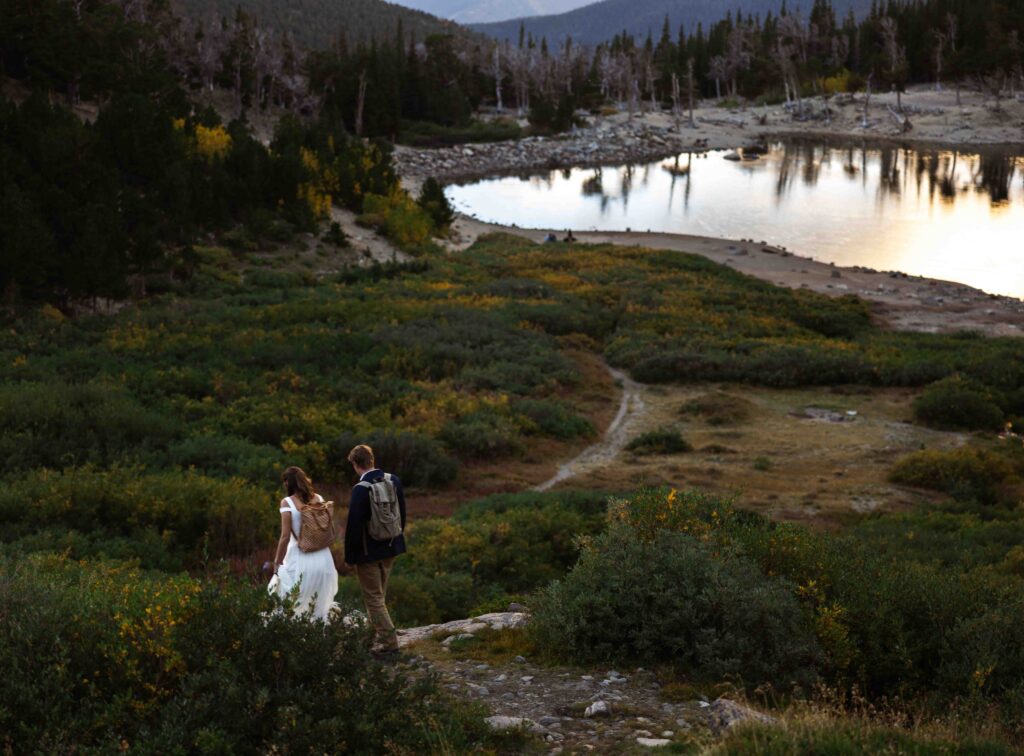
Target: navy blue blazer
x=359, y=547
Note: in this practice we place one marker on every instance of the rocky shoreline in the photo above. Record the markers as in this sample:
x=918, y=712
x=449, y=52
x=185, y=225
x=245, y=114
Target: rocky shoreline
x=605, y=144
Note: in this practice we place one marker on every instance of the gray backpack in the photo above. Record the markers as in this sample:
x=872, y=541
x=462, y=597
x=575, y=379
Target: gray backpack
x=385, y=515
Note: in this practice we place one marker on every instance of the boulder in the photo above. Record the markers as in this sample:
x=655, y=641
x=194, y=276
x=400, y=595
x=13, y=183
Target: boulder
x=724, y=714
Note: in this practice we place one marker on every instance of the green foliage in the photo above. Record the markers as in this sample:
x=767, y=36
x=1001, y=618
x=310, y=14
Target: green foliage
x=890, y=622
x=957, y=404
x=486, y=434
x=490, y=552
x=399, y=218
x=552, y=116
x=417, y=460
x=967, y=473
x=58, y=425
x=674, y=600
x=105, y=655
x=434, y=202
x=551, y=417
x=427, y=134
x=155, y=517
x=660, y=441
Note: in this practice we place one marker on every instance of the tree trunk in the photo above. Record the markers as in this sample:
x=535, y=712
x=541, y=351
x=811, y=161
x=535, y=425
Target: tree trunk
x=689, y=75
x=359, y=104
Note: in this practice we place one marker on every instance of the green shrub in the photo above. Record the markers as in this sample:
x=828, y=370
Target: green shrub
x=435, y=203
x=550, y=417
x=399, y=218
x=107, y=657
x=958, y=404
x=965, y=472
x=484, y=434
x=675, y=600
x=418, y=460
x=428, y=134
x=660, y=441
x=58, y=425
x=228, y=456
x=191, y=515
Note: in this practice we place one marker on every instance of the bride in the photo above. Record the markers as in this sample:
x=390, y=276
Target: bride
x=313, y=572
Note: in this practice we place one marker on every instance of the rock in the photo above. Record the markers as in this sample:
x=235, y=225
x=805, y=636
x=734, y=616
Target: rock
x=724, y=714
x=501, y=678
x=653, y=742
x=547, y=721
x=519, y=608
x=836, y=274
x=526, y=678
x=457, y=637
x=520, y=660
x=598, y=709
x=478, y=690
x=499, y=722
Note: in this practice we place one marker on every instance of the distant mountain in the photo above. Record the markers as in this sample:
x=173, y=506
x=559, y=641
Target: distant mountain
x=317, y=24
x=601, y=21
x=486, y=11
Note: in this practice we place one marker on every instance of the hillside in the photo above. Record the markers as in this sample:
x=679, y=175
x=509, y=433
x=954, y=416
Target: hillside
x=598, y=22
x=487, y=11
x=317, y=23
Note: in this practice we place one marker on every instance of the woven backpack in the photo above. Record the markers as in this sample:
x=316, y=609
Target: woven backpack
x=317, y=531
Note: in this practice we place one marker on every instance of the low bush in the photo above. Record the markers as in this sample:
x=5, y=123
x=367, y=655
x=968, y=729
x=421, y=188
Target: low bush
x=966, y=473
x=58, y=425
x=484, y=434
x=550, y=417
x=676, y=600
x=661, y=441
x=399, y=218
x=191, y=516
x=428, y=134
x=227, y=456
x=418, y=460
x=108, y=658
x=958, y=404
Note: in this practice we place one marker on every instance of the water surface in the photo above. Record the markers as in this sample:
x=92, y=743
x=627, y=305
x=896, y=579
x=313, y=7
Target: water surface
x=949, y=215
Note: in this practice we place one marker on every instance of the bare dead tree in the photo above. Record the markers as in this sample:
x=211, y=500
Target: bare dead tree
x=867, y=102
x=718, y=69
x=496, y=72
x=691, y=85
x=360, y=102
x=895, y=55
x=951, y=37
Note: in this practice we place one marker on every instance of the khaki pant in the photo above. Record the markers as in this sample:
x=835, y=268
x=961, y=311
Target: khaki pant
x=373, y=579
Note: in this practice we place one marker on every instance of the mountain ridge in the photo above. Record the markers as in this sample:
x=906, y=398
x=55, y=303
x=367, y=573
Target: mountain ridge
x=600, y=21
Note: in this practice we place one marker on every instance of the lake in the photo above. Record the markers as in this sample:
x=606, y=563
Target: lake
x=957, y=216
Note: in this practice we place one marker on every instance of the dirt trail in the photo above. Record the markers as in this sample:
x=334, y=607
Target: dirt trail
x=617, y=435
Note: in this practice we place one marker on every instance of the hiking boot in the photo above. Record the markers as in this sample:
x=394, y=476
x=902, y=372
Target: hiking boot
x=386, y=654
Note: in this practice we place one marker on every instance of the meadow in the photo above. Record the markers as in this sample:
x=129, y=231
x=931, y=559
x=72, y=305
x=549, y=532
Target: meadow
x=141, y=452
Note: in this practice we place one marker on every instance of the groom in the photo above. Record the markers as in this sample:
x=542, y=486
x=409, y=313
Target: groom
x=373, y=538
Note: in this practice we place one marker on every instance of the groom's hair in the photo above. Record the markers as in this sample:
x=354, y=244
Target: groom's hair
x=362, y=456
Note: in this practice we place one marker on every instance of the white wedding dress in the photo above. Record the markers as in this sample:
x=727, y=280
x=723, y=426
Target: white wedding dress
x=313, y=572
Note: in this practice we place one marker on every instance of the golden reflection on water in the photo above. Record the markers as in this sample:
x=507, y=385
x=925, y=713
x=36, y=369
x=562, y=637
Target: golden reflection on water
x=943, y=214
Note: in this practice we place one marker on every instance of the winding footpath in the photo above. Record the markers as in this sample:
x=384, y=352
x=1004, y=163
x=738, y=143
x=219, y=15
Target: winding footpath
x=617, y=435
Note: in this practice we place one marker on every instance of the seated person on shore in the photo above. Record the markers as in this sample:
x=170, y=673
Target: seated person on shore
x=550, y=238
